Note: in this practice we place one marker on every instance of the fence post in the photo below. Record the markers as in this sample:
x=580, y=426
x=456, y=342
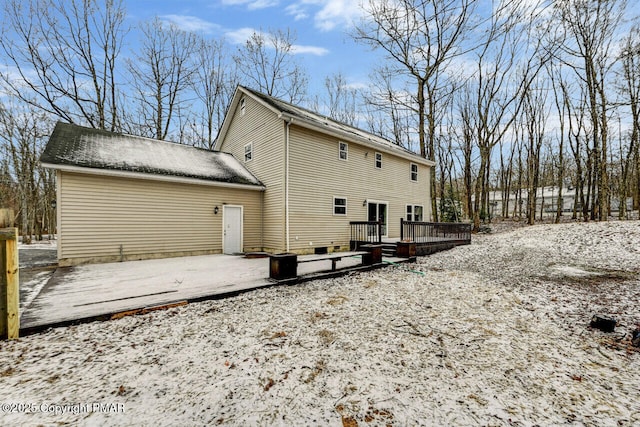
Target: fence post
x=9, y=293
x=401, y=229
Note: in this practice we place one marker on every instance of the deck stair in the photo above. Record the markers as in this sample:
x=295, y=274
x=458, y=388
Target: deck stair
x=389, y=249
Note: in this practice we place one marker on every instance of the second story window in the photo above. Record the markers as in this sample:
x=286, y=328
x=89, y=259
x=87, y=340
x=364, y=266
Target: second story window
x=378, y=160
x=343, y=149
x=414, y=172
x=243, y=107
x=248, y=152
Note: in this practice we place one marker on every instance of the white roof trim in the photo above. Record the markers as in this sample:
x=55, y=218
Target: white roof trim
x=152, y=177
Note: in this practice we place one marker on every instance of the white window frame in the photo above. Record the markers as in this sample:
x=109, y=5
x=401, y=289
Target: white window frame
x=339, y=206
x=410, y=212
x=345, y=151
x=243, y=106
x=414, y=173
x=249, y=152
x=376, y=161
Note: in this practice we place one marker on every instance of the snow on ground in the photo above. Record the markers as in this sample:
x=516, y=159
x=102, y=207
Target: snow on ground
x=494, y=333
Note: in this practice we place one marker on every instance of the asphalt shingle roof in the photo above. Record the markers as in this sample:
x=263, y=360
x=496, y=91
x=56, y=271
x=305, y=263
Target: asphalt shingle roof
x=72, y=145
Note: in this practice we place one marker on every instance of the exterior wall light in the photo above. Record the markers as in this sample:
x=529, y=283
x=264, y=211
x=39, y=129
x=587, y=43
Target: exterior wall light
x=216, y=210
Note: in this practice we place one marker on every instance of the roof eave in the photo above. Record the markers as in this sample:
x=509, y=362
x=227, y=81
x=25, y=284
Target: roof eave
x=152, y=177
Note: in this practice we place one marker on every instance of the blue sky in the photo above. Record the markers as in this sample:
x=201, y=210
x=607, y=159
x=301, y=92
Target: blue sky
x=323, y=44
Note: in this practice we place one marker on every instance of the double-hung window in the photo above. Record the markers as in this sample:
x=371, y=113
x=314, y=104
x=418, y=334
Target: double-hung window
x=378, y=160
x=339, y=206
x=414, y=172
x=343, y=150
x=414, y=213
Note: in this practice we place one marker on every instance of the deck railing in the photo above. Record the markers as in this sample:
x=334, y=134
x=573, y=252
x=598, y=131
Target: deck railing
x=423, y=232
x=365, y=232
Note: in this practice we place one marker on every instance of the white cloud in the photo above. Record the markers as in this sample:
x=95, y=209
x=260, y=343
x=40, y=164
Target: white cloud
x=190, y=23
x=241, y=35
x=252, y=4
x=327, y=14
x=297, y=11
x=311, y=50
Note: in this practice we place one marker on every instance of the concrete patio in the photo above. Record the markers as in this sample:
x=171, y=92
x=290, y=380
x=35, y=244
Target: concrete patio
x=102, y=290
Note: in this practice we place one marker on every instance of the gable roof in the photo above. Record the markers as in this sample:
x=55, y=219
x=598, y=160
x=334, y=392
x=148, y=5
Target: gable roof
x=77, y=148
x=310, y=119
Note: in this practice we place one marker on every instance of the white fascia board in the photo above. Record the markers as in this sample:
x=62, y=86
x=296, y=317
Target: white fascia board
x=346, y=136
x=151, y=177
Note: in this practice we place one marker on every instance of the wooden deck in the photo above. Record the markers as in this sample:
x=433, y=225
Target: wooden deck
x=101, y=290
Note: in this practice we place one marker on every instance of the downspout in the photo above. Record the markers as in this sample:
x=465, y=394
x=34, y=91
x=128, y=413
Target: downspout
x=286, y=181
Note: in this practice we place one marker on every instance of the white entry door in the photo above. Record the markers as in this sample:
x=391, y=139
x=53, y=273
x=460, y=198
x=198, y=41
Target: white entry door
x=232, y=229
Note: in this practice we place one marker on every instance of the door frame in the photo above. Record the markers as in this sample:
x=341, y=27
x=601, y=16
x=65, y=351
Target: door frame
x=224, y=209
x=380, y=202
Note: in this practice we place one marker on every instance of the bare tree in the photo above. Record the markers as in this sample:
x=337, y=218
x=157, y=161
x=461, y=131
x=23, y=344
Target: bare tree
x=589, y=26
x=534, y=121
x=420, y=38
x=213, y=83
x=555, y=74
x=342, y=100
x=386, y=98
x=64, y=53
x=630, y=60
x=161, y=72
x=507, y=64
x=266, y=63
x=22, y=133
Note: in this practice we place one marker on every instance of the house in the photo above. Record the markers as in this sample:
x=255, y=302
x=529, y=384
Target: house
x=281, y=179
x=546, y=201
x=320, y=174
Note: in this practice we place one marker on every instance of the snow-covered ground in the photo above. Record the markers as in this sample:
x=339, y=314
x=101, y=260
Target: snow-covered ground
x=494, y=333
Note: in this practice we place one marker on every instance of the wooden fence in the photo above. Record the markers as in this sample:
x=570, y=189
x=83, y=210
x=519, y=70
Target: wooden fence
x=9, y=292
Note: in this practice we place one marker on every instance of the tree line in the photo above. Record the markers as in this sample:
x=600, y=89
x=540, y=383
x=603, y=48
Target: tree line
x=508, y=96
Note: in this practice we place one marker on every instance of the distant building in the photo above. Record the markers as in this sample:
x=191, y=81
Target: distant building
x=546, y=201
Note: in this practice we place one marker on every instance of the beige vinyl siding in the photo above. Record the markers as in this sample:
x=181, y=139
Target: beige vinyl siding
x=317, y=175
x=150, y=219
x=262, y=128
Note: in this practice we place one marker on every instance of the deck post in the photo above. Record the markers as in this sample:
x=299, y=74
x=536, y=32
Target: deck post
x=9, y=293
x=374, y=256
